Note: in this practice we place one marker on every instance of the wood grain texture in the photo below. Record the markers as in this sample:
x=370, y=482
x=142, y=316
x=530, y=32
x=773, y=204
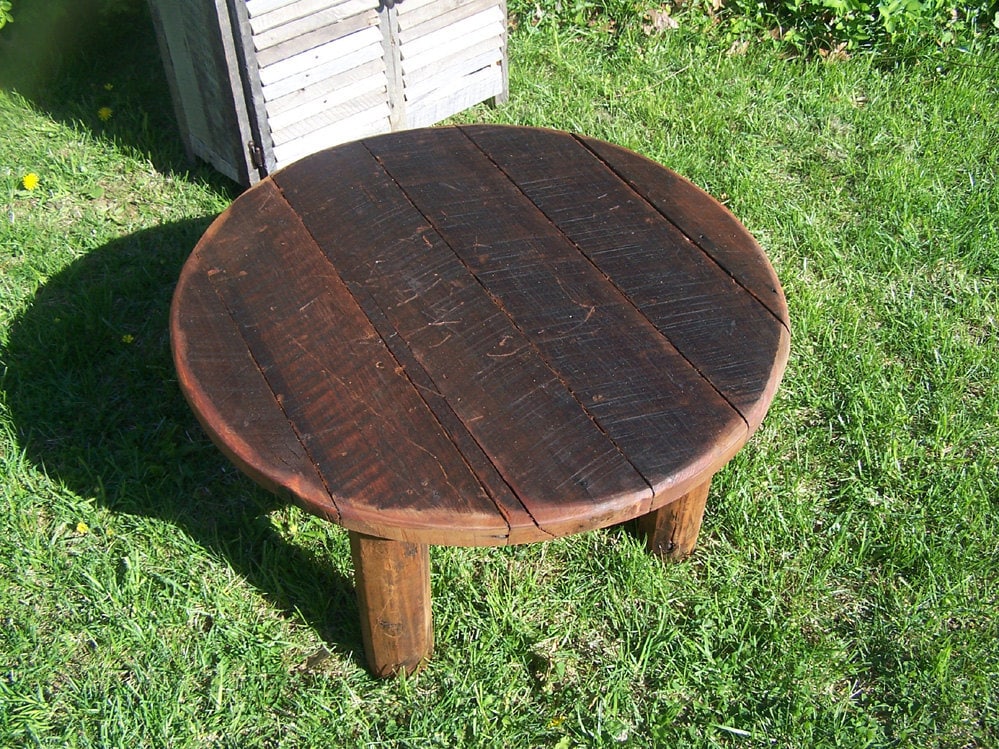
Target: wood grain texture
x=708, y=223
x=660, y=412
x=392, y=579
x=380, y=452
x=557, y=461
x=242, y=417
x=723, y=331
x=671, y=531
x=479, y=335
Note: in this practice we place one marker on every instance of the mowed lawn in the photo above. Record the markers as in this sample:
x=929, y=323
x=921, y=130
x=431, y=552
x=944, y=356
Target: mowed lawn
x=845, y=589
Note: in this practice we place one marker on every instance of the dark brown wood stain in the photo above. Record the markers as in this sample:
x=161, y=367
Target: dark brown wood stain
x=479, y=335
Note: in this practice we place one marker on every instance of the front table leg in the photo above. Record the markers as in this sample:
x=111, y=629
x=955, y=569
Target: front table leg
x=671, y=531
x=393, y=593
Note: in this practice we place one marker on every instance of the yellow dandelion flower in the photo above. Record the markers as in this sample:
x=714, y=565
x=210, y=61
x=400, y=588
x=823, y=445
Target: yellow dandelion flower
x=104, y=113
x=128, y=338
x=30, y=181
x=82, y=528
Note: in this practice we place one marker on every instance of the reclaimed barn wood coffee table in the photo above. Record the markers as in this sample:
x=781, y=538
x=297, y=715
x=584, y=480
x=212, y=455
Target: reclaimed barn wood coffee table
x=474, y=336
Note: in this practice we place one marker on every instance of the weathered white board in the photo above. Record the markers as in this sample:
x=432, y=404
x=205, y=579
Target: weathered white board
x=258, y=84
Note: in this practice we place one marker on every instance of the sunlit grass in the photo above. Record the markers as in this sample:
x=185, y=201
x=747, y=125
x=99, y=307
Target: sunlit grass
x=844, y=591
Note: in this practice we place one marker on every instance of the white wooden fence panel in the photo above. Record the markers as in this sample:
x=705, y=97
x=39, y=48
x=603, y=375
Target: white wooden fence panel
x=462, y=66
x=310, y=66
x=359, y=126
x=455, y=97
x=315, y=38
x=457, y=36
x=371, y=72
x=304, y=8
x=366, y=87
x=492, y=46
x=410, y=29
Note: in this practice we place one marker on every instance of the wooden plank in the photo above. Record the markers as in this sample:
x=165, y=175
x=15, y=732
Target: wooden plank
x=329, y=117
x=414, y=13
x=725, y=332
x=457, y=36
x=259, y=7
x=317, y=93
x=324, y=77
x=704, y=220
x=458, y=95
x=523, y=528
x=307, y=26
x=453, y=74
x=415, y=73
x=209, y=95
x=412, y=26
x=373, y=439
x=469, y=45
x=411, y=6
x=663, y=415
x=313, y=64
x=295, y=11
x=370, y=122
x=388, y=15
x=262, y=159
x=348, y=90
x=561, y=466
x=247, y=422
x=314, y=37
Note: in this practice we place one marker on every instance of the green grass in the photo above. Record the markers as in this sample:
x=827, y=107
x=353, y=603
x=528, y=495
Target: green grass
x=845, y=589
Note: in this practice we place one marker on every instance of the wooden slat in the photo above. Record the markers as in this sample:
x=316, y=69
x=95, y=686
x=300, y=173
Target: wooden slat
x=458, y=94
x=412, y=15
x=464, y=61
x=259, y=7
x=725, y=332
x=351, y=87
x=330, y=116
x=560, y=464
x=462, y=34
x=703, y=219
x=369, y=122
x=417, y=11
x=414, y=71
x=487, y=38
x=667, y=419
x=197, y=39
x=316, y=64
x=351, y=404
x=246, y=422
x=454, y=75
x=523, y=527
x=312, y=36
x=413, y=26
x=314, y=81
x=295, y=11
x=336, y=89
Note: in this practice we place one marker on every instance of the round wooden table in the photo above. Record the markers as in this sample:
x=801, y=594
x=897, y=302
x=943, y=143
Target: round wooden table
x=477, y=335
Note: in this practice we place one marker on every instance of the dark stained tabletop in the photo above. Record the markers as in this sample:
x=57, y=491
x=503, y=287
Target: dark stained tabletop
x=478, y=335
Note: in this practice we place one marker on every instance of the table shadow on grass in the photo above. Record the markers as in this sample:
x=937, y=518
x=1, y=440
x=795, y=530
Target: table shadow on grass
x=91, y=388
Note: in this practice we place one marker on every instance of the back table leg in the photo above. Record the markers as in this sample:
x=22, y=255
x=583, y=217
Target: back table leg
x=671, y=531
x=393, y=593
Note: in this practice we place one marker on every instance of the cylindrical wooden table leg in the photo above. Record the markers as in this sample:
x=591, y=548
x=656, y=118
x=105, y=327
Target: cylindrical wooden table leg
x=393, y=593
x=671, y=531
